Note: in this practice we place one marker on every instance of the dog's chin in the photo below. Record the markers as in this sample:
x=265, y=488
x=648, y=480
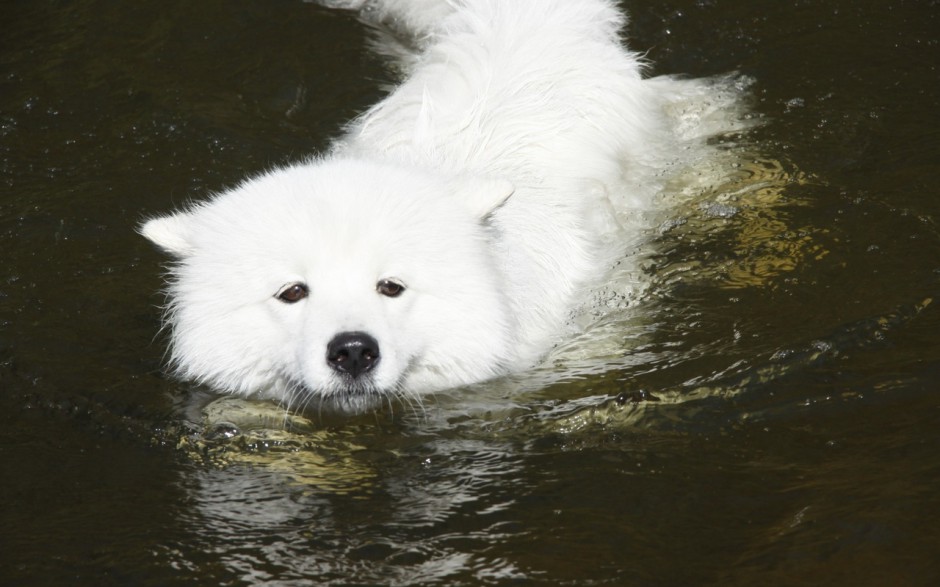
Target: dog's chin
x=355, y=401
x=345, y=397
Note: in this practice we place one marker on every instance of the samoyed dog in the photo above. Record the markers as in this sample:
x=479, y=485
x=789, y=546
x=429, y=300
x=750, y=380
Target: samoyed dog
x=447, y=235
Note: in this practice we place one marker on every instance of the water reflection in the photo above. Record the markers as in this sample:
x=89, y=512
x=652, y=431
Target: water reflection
x=428, y=511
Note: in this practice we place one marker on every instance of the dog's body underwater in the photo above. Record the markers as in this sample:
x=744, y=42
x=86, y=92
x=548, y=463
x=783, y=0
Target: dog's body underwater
x=446, y=237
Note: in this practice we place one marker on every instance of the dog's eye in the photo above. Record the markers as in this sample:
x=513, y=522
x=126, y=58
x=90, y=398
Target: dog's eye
x=389, y=288
x=293, y=292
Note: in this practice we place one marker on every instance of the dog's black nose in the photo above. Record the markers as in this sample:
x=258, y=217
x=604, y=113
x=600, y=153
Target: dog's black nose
x=352, y=353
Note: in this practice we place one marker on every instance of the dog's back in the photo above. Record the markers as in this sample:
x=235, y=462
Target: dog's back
x=541, y=93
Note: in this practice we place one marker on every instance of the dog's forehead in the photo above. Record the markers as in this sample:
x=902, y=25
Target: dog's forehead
x=343, y=231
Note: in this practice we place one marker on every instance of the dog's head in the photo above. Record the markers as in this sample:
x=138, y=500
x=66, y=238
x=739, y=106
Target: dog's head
x=337, y=282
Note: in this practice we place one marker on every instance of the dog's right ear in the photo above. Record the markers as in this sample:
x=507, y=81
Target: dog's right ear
x=171, y=233
x=484, y=195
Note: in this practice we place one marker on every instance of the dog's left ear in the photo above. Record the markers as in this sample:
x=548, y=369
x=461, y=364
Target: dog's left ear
x=484, y=195
x=171, y=233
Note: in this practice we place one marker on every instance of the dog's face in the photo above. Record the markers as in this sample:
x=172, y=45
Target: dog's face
x=337, y=283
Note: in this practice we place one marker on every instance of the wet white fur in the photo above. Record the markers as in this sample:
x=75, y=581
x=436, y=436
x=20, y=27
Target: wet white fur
x=534, y=100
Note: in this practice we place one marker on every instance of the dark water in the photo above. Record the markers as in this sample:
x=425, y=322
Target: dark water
x=793, y=347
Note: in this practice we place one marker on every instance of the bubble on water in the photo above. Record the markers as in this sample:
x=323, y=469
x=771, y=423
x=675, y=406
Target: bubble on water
x=793, y=103
x=718, y=210
x=222, y=430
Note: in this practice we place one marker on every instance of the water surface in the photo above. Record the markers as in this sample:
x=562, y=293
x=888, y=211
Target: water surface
x=773, y=418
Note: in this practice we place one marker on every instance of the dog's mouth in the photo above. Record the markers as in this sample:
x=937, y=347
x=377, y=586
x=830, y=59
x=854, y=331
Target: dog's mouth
x=358, y=396
x=341, y=395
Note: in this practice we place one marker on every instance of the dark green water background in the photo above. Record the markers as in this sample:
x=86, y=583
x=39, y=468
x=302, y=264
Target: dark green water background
x=815, y=462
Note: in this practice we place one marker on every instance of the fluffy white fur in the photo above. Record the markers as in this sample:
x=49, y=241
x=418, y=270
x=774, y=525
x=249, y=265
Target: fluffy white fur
x=481, y=184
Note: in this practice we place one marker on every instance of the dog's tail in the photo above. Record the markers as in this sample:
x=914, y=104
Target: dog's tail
x=403, y=29
x=413, y=18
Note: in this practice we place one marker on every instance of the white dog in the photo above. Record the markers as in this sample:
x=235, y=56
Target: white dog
x=446, y=237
